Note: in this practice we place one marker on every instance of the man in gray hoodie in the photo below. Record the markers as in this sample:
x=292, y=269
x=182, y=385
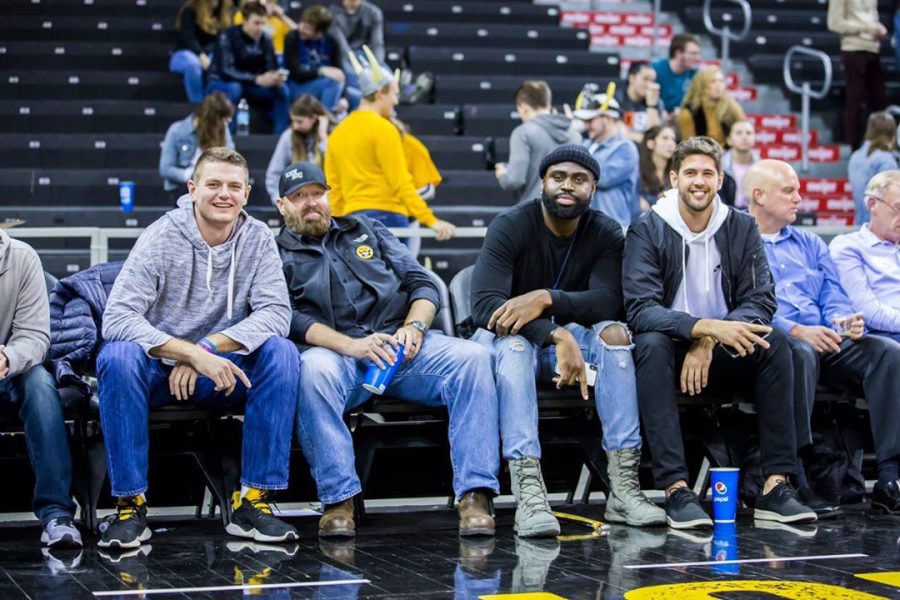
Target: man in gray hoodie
x=540, y=133
x=27, y=386
x=198, y=314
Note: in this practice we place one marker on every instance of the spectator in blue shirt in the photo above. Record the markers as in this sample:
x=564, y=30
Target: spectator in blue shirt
x=675, y=73
x=874, y=156
x=617, y=188
x=313, y=59
x=827, y=338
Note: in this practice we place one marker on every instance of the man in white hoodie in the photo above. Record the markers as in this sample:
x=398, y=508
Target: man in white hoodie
x=699, y=296
x=199, y=314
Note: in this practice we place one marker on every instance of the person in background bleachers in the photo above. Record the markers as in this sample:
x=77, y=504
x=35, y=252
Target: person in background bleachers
x=639, y=100
x=357, y=23
x=699, y=297
x=425, y=174
x=304, y=141
x=656, y=150
x=708, y=109
x=278, y=24
x=861, y=33
x=199, y=22
x=811, y=305
x=617, y=188
x=540, y=132
x=29, y=389
x=674, y=74
x=186, y=139
x=867, y=260
x=313, y=59
x=365, y=162
x=244, y=65
x=546, y=296
x=197, y=315
x=874, y=156
x=740, y=156
x=358, y=297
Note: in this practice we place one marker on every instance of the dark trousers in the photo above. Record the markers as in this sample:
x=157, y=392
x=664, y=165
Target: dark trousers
x=658, y=359
x=872, y=366
x=865, y=85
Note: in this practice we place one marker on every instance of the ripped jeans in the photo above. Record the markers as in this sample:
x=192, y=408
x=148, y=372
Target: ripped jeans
x=518, y=364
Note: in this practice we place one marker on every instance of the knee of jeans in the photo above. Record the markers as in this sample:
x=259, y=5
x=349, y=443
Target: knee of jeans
x=120, y=357
x=513, y=347
x=279, y=350
x=317, y=364
x=615, y=334
x=476, y=355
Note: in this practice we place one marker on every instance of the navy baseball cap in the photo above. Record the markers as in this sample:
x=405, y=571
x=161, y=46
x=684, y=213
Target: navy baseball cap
x=300, y=174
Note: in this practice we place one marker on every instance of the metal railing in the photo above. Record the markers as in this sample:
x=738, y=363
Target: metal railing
x=725, y=32
x=99, y=236
x=806, y=92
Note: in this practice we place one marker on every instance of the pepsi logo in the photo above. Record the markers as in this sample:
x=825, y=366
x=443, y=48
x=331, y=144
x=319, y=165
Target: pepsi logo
x=721, y=488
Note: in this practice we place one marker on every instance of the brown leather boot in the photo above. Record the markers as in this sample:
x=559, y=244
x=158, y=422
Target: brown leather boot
x=337, y=520
x=475, y=514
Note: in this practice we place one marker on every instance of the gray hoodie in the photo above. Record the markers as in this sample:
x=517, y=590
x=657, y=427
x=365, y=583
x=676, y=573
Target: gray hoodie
x=528, y=145
x=24, y=307
x=174, y=285
x=700, y=293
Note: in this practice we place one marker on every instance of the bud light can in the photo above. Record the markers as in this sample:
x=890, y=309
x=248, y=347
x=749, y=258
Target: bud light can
x=724, y=493
x=126, y=195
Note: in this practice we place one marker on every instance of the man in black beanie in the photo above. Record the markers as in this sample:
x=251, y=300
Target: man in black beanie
x=547, y=295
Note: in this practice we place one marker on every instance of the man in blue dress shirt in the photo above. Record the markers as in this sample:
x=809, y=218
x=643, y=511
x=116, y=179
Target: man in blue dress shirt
x=827, y=338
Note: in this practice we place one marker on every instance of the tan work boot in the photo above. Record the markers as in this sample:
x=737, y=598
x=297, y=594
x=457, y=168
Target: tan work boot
x=475, y=514
x=337, y=520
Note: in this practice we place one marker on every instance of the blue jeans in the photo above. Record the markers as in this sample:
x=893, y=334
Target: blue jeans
x=34, y=394
x=518, y=363
x=131, y=383
x=447, y=372
x=275, y=97
x=388, y=219
x=328, y=91
x=188, y=64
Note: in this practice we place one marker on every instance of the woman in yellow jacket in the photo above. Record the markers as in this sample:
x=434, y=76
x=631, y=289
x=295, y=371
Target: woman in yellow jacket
x=708, y=109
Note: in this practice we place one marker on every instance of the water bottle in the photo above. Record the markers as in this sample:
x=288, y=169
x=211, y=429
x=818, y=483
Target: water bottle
x=243, y=117
x=126, y=196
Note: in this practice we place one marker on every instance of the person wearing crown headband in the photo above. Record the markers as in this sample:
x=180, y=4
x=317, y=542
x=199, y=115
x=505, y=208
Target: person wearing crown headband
x=365, y=163
x=617, y=187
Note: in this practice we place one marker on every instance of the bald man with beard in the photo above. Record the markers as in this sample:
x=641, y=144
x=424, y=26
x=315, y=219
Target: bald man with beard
x=827, y=338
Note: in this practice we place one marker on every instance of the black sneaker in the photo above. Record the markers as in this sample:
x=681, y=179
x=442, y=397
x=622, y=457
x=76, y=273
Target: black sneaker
x=886, y=496
x=782, y=505
x=128, y=528
x=253, y=519
x=822, y=507
x=683, y=510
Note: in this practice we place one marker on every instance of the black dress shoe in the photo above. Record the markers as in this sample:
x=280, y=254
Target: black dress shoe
x=822, y=507
x=886, y=496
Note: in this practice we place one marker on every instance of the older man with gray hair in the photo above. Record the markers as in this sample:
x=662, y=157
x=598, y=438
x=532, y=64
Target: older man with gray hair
x=826, y=336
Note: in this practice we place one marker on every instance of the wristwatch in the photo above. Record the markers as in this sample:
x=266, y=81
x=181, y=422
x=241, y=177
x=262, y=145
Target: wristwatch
x=417, y=325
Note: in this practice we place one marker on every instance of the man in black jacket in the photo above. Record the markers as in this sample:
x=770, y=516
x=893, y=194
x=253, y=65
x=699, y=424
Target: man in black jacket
x=699, y=296
x=358, y=296
x=313, y=58
x=244, y=65
x=547, y=293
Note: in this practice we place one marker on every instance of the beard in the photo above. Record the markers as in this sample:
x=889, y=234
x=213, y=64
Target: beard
x=693, y=203
x=314, y=227
x=565, y=213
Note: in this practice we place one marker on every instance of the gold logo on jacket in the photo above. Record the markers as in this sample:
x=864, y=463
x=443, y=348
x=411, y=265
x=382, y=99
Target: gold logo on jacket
x=365, y=252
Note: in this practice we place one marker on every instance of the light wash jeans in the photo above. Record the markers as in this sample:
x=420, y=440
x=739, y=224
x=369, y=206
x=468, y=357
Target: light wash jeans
x=188, y=64
x=518, y=363
x=131, y=383
x=34, y=394
x=447, y=372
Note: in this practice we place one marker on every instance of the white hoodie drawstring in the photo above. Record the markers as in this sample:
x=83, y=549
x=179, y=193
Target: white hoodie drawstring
x=231, y=281
x=209, y=270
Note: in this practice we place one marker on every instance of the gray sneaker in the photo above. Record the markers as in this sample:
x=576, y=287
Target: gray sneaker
x=626, y=503
x=533, y=515
x=61, y=533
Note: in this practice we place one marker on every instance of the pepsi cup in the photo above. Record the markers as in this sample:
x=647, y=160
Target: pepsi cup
x=724, y=493
x=725, y=548
x=126, y=195
x=377, y=380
